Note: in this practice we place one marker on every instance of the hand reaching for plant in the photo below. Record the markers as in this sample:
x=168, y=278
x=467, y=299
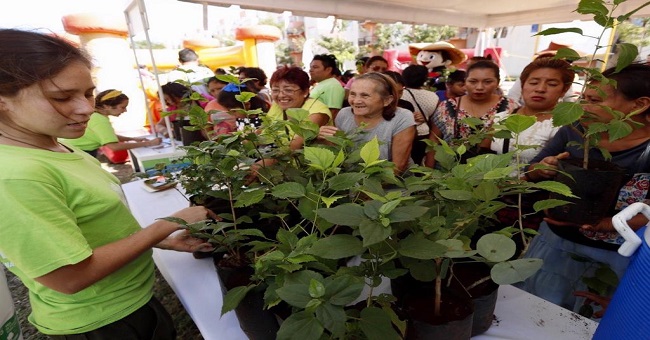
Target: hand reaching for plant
x=183, y=241
x=327, y=131
x=549, y=164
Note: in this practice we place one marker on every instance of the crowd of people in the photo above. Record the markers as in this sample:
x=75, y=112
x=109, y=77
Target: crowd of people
x=100, y=283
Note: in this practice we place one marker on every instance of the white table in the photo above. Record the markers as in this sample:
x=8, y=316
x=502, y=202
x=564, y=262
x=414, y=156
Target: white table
x=519, y=315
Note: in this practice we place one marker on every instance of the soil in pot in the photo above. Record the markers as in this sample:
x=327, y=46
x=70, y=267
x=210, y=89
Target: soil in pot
x=454, y=323
x=596, y=189
x=416, y=300
x=484, y=295
x=256, y=322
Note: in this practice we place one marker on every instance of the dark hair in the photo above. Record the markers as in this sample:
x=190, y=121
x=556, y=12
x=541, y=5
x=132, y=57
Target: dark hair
x=293, y=75
x=632, y=82
x=415, y=76
x=560, y=65
x=328, y=60
x=255, y=72
x=457, y=76
x=115, y=98
x=485, y=64
x=216, y=80
x=28, y=57
x=220, y=71
x=397, y=78
x=228, y=100
x=385, y=87
x=187, y=54
x=176, y=90
x=362, y=61
x=372, y=59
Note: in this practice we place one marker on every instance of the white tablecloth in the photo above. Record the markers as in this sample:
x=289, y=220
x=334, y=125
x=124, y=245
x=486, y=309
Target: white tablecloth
x=519, y=315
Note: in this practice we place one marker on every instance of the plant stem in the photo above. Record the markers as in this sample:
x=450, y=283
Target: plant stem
x=438, y=296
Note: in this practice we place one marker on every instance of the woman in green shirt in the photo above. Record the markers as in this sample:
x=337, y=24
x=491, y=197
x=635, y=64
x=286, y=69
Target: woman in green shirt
x=100, y=132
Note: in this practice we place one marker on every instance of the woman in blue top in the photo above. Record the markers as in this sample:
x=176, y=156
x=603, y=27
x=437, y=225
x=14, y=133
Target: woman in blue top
x=559, y=242
x=67, y=232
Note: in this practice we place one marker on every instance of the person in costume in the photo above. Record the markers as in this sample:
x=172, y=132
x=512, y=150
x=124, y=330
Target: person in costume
x=438, y=58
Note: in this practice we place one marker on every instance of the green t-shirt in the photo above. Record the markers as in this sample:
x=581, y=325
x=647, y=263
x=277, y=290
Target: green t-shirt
x=330, y=92
x=98, y=133
x=56, y=208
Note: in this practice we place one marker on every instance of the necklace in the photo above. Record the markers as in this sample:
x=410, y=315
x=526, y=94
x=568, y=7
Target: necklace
x=30, y=144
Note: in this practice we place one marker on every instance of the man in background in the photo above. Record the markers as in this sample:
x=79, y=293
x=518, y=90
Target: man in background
x=192, y=72
x=328, y=89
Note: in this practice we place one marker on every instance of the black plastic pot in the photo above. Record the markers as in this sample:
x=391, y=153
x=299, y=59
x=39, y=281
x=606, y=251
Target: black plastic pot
x=256, y=322
x=484, y=295
x=455, y=323
x=596, y=189
x=189, y=137
x=177, y=126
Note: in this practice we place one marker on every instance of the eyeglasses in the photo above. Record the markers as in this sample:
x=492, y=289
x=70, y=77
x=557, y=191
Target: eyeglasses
x=287, y=91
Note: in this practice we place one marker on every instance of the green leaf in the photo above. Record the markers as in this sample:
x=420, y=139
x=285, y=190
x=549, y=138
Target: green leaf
x=337, y=247
x=375, y=324
x=456, y=195
x=553, y=186
x=173, y=220
x=249, y=197
x=553, y=31
x=233, y=297
x=518, y=123
x=349, y=214
x=244, y=97
x=345, y=181
x=330, y=200
x=595, y=7
x=387, y=207
x=298, y=114
x=567, y=54
x=296, y=295
x=618, y=129
x=373, y=232
x=407, y=213
x=319, y=158
x=316, y=289
x=566, y=113
x=420, y=248
x=288, y=190
x=300, y=326
x=626, y=55
x=505, y=273
x=342, y=290
x=496, y=247
x=487, y=191
x=370, y=151
x=333, y=318
x=548, y=204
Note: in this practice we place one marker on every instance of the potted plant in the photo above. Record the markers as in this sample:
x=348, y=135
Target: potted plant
x=327, y=204
x=586, y=176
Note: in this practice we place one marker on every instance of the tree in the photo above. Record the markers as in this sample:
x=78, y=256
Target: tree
x=341, y=48
x=635, y=32
x=430, y=33
x=388, y=36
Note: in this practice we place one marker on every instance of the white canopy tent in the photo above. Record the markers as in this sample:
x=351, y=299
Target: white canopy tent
x=462, y=13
